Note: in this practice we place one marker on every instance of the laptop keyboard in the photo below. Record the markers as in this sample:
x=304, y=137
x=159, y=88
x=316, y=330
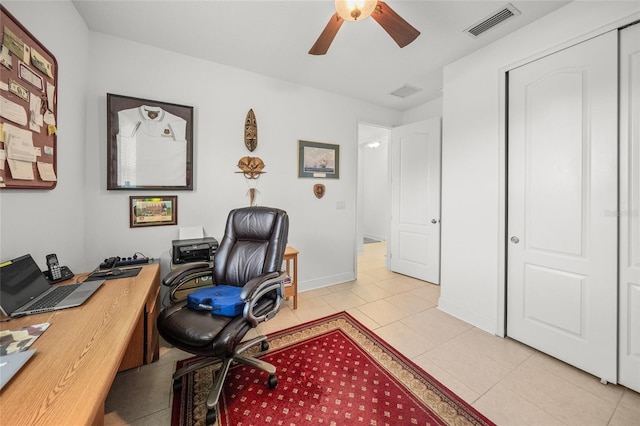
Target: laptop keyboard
x=54, y=297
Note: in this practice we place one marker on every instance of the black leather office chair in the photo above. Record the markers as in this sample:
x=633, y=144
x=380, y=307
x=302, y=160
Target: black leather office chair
x=249, y=256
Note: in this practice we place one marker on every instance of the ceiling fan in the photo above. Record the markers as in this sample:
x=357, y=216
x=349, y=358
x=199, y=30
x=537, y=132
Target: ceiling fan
x=356, y=10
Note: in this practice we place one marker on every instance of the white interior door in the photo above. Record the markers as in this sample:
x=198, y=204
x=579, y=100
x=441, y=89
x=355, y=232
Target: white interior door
x=629, y=368
x=415, y=200
x=562, y=248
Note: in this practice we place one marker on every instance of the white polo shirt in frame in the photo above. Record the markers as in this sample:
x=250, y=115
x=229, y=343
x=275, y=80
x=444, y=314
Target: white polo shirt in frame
x=152, y=148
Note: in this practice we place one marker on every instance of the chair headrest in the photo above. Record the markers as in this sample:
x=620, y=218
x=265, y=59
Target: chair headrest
x=254, y=223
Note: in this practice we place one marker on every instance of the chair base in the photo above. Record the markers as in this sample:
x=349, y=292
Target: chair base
x=221, y=374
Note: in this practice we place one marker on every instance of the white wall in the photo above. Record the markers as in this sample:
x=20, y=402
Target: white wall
x=221, y=96
x=431, y=109
x=84, y=223
x=473, y=156
x=376, y=190
x=40, y=221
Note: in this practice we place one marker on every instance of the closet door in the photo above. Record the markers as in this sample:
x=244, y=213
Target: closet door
x=562, y=181
x=629, y=369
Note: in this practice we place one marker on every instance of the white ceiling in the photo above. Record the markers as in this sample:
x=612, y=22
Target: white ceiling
x=273, y=37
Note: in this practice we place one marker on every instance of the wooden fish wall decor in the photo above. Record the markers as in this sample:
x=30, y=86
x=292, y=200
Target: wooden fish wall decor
x=251, y=131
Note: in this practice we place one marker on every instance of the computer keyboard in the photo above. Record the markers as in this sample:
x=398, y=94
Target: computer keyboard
x=54, y=297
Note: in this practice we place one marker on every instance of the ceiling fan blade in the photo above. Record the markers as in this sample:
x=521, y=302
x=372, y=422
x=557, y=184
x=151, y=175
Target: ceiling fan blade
x=326, y=37
x=400, y=30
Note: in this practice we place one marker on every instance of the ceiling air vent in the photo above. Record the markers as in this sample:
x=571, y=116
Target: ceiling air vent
x=405, y=91
x=492, y=20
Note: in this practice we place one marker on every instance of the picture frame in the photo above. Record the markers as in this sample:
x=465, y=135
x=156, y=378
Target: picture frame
x=153, y=210
x=318, y=160
x=149, y=145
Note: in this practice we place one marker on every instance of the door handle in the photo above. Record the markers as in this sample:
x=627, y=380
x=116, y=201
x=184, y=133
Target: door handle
x=515, y=240
x=434, y=220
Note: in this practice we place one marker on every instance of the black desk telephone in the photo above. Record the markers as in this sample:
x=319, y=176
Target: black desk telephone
x=56, y=273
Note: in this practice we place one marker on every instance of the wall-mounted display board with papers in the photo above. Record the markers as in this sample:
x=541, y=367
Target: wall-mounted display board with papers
x=28, y=109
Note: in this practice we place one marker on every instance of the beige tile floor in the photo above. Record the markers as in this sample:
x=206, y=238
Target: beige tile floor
x=508, y=382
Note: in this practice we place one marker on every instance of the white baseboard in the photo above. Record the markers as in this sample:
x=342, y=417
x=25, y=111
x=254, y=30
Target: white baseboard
x=325, y=281
x=480, y=321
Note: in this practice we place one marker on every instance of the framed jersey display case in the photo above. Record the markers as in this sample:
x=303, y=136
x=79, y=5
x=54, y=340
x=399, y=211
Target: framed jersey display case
x=150, y=144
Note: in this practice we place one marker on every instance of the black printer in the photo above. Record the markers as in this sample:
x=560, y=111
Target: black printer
x=194, y=250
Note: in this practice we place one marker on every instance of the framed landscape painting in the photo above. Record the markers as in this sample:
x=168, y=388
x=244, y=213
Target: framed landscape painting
x=318, y=160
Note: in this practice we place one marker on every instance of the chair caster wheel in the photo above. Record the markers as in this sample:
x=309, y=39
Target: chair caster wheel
x=264, y=346
x=211, y=416
x=177, y=385
x=273, y=381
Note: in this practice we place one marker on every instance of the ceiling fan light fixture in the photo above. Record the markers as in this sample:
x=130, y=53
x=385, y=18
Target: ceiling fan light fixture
x=355, y=10
x=400, y=30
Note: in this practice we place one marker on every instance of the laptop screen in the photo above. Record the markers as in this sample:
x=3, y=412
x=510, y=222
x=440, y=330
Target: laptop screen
x=20, y=281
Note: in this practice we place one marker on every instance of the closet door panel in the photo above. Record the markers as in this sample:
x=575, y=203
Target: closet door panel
x=562, y=180
x=629, y=213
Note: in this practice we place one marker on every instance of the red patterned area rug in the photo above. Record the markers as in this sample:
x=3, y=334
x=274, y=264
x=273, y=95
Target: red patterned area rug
x=332, y=371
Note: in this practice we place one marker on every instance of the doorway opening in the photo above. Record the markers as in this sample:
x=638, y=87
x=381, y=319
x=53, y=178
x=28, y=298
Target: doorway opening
x=373, y=191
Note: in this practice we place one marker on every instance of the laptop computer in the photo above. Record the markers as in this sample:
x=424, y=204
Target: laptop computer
x=12, y=363
x=25, y=291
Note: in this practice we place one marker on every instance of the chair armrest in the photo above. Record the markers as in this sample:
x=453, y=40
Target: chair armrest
x=187, y=272
x=252, y=285
x=253, y=291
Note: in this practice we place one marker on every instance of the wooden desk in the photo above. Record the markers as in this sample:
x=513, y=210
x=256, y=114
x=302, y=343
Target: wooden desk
x=67, y=380
x=291, y=257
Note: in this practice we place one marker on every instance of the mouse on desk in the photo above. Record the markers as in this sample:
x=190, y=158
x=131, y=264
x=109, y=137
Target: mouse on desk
x=116, y=271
